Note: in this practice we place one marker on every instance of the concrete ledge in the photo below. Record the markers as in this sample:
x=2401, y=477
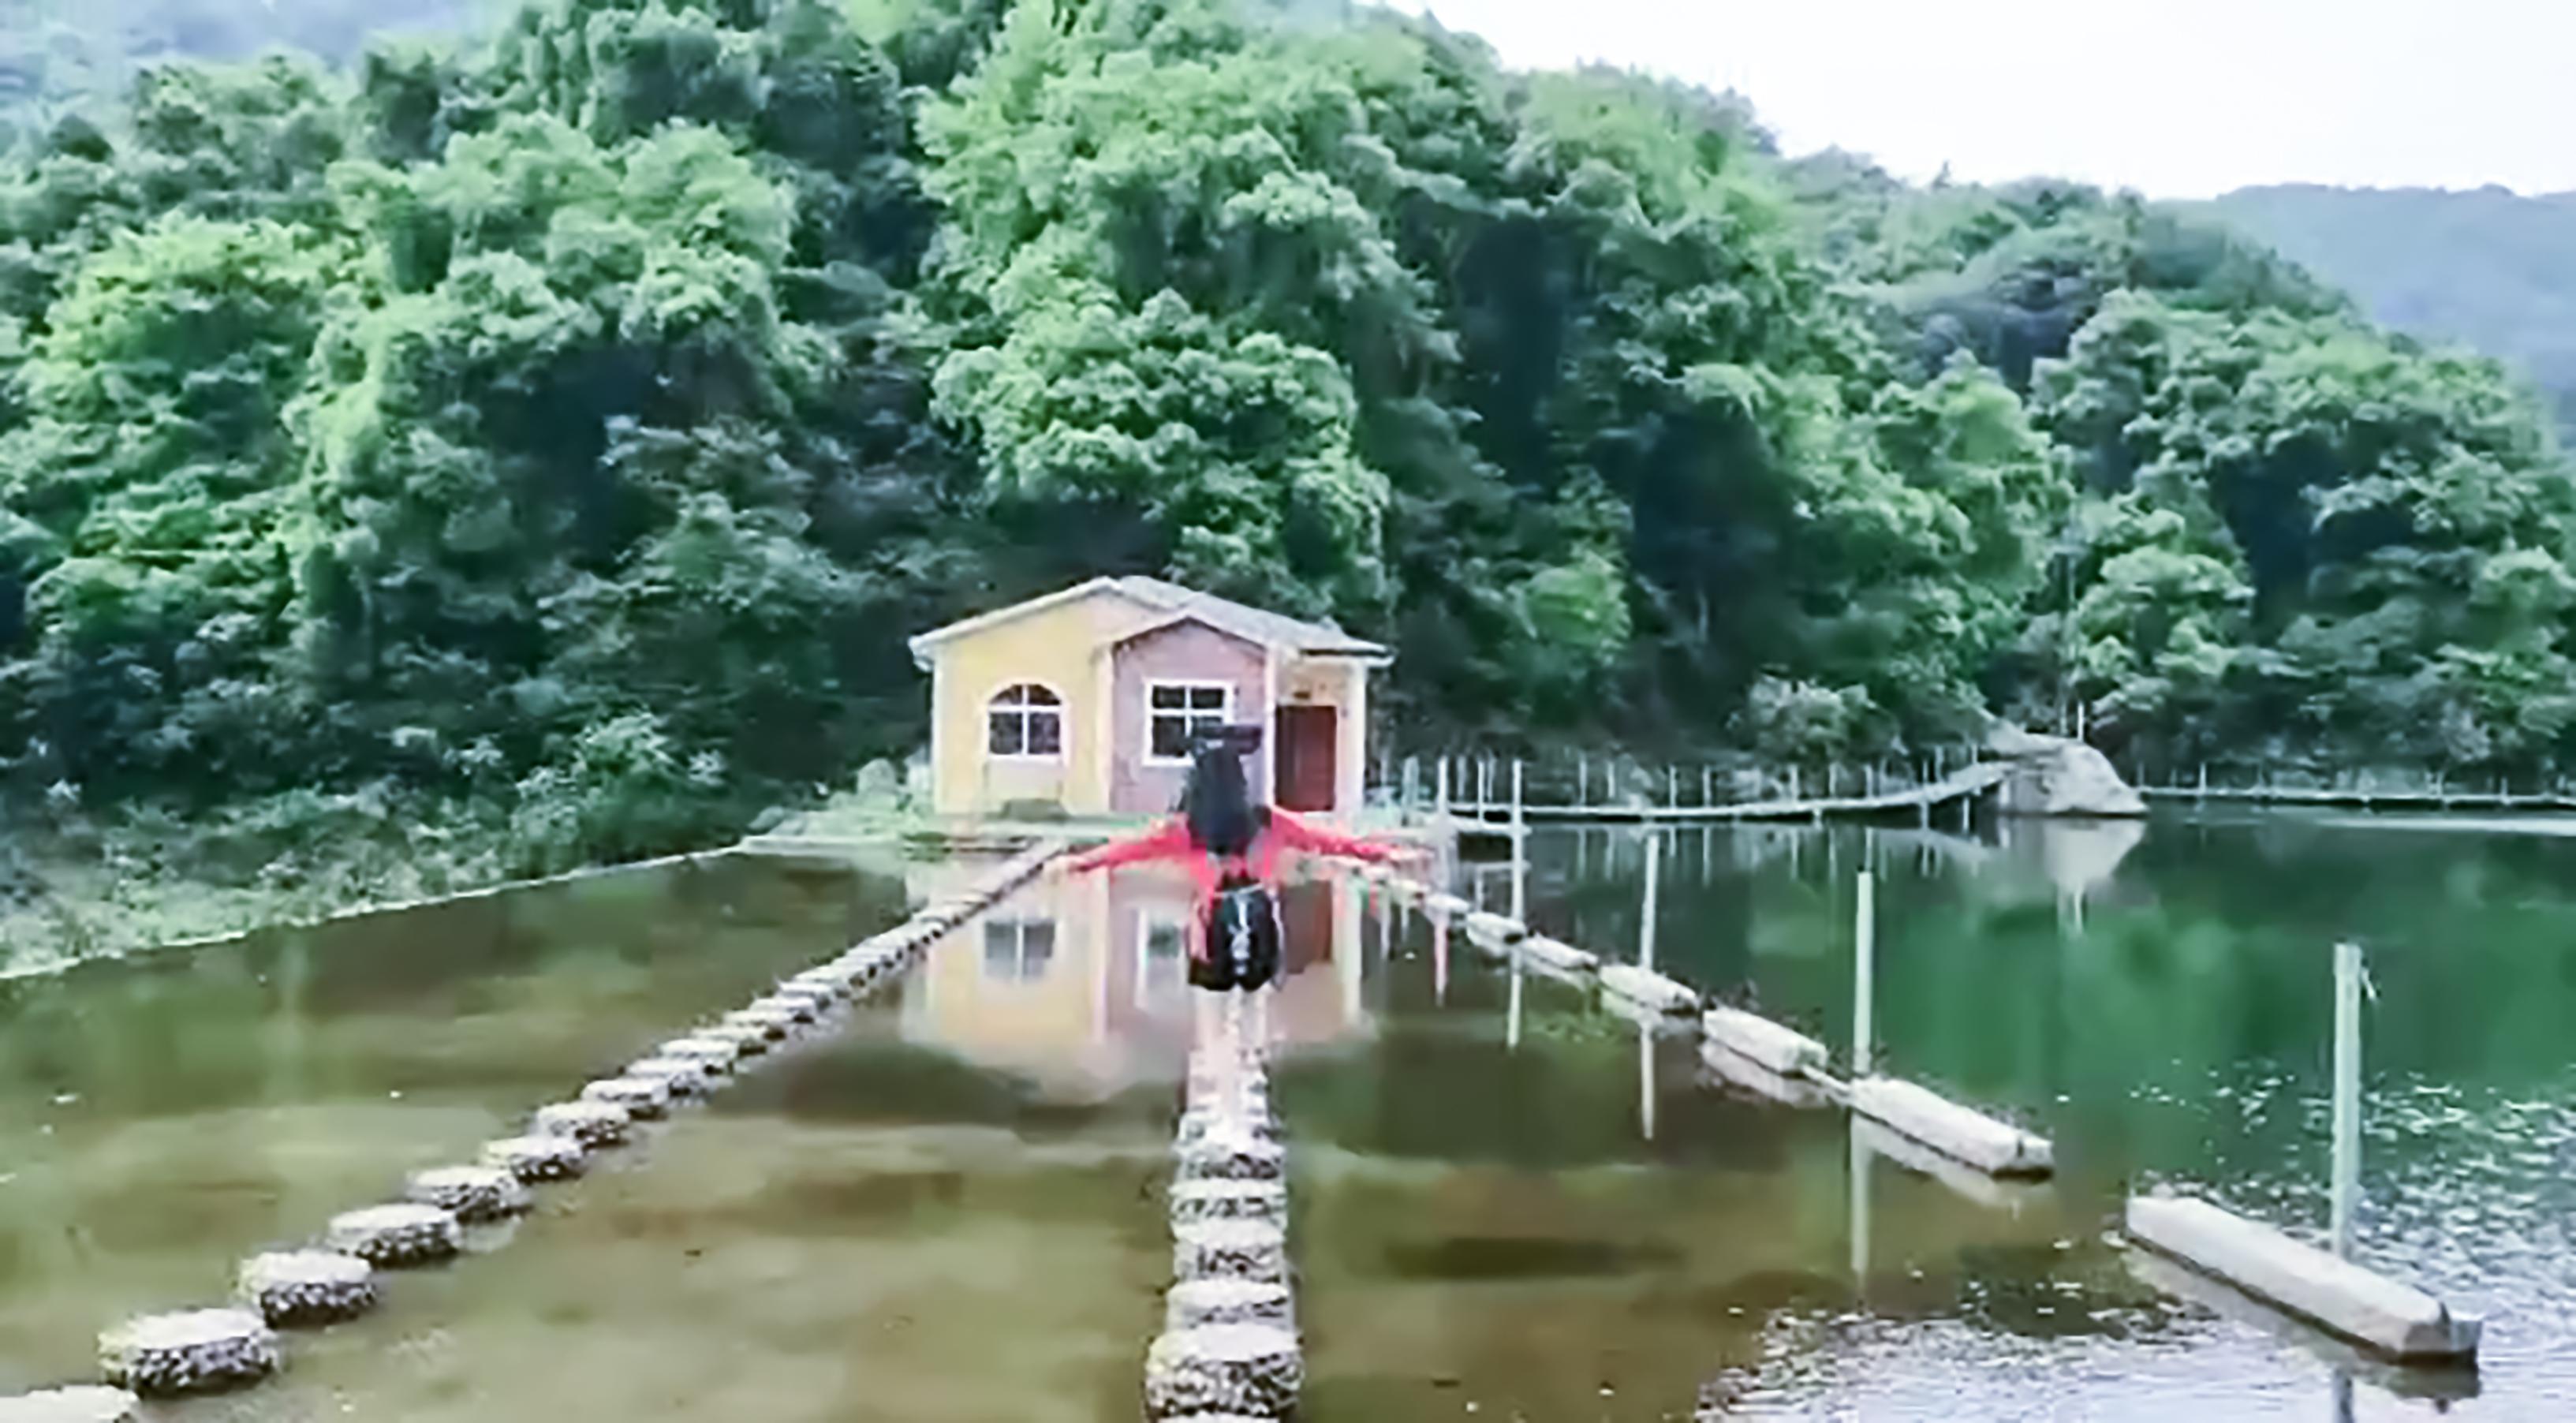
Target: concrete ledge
x=1262, y=1202
x=1443, y=903
x=2011, y=1195
x=1496, y=928
x=2397, y=1320
x=1771, y=1047
x=748, y=1039
x=71, y=1405
x=1733, y=1069
x=2441, y=1383
x=1557, y=954
x=715, y=1055
x=1994, y=1147
x=801, y=1008
x=1235, y=1160
x=1649, y=989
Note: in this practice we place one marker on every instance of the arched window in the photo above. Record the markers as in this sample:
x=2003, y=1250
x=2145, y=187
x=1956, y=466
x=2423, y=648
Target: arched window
x=1026, y=720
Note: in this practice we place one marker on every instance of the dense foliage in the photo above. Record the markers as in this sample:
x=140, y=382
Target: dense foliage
x=561, y=434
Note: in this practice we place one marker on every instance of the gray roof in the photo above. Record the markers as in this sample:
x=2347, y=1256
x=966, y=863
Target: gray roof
x=1242, y=620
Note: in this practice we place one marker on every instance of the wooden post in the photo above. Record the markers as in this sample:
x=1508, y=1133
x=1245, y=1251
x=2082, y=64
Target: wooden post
x=1708, y=786
x=1646, y=924
x=1520, y=849
x=1582, y=778
x=1512, y=1031
x=1864, y=971
x=2347, y=1094
x=1793, y=783
x=1673, y=787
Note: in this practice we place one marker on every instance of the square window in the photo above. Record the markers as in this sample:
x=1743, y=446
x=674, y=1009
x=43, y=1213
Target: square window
x=1210, y=699
x=1009, y=735
x=1175, y=697
x=1171, y=737
x=1045, y=734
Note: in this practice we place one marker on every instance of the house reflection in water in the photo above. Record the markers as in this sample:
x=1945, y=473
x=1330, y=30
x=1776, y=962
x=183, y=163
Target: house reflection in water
x=1081, y=983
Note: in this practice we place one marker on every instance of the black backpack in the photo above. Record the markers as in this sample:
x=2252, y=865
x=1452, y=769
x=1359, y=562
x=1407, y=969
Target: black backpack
x=1242, y=935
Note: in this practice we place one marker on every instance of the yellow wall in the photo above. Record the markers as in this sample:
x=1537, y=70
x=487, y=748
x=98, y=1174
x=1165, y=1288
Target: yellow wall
x=1064, y=647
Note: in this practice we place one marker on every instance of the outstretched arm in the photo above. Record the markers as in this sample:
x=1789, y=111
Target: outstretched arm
x=1296, y=834
x=1168, y=841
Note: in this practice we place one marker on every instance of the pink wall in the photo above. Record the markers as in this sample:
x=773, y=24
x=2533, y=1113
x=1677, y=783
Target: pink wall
x=1185, y=651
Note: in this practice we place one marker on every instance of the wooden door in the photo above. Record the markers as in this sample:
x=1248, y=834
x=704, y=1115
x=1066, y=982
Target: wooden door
x=1308, y=738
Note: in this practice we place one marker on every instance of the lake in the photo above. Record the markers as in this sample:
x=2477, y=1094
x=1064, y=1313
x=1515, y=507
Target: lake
x=1508, y=1202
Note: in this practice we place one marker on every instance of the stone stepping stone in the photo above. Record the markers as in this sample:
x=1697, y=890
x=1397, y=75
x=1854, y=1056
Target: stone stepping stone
x=1242, y=1370
x=195, y=1351
x=397, y=1235
x=747, y=1040
x=1230, y=1250
x=536, y=1158
x=715, y=1055
x=802, y=1008
x=1208, y=1124
x=644, y=1098
x=1264, y=1202
x=85, y=1404
x=472, y=1194
x=679, y=1076
x=774, y=1023
x=299, y=1287
x=1232, y=1160
x=1196, y=1304
x=593, y=1124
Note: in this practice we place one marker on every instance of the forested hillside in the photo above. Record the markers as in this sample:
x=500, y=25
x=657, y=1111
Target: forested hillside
x=554, y=440
x=2489, y=269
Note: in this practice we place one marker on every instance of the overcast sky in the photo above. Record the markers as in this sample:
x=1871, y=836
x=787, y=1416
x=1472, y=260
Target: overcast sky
x=2177, y=98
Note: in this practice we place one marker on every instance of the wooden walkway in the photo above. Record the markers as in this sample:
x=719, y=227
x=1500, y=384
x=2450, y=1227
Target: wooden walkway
x=2364, y=798
x=1962, y=785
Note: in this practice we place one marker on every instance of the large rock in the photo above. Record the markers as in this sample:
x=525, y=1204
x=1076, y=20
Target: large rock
x=307, y=1286
x=71, y=1405
x=2056, y=775
x=1229, y=1370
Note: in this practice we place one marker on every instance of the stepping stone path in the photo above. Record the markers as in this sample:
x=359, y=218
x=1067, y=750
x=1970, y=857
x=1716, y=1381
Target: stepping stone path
x=473, y=1194
x=209, y=1349
x=302, y=1287
x=593, y=1124
x=1243, y=1370
x=644, y=1098
x=196, y=1351
x=394, y=1236
x=534, y=1159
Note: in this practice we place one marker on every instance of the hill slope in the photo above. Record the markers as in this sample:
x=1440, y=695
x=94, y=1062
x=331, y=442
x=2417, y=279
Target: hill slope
x=2489, y=268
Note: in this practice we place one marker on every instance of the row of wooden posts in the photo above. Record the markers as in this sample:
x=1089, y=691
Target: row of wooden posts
x=1488, y=784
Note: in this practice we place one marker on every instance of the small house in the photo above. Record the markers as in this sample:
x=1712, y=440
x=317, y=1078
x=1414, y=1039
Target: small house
x=1087, y=699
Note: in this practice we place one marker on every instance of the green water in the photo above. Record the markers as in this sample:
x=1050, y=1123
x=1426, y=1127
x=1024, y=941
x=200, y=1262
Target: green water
x=1508, y=1202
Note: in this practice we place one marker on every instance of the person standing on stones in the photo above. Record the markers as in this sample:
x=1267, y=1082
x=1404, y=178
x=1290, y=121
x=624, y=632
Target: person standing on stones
x=1235, y=850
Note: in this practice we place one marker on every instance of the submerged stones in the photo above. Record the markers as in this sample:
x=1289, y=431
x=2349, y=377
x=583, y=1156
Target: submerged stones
x=713, y=1055
x=593, y=1124
x=1240, y=1370
x=1230, y=1250
x=644, y=1098
x=473, y=1194
x=1264, y=1202
x=1194, y=1304
x=396, y=1235
x=305, y=1287
x=536, y=1158
x=773, y=1023
x=195, y=1351
x=679, y=1076
x=86, y=1404
x=1232, y=1158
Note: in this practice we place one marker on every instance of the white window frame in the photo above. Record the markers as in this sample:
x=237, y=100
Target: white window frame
x=1063, y=723
x=1147, y=923
x=1224, y=714
x=1018, y=926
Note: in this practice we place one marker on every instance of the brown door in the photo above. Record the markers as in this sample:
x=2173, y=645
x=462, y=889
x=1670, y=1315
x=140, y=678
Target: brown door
x=1308, y=737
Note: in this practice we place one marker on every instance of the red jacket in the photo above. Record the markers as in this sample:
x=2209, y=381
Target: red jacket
x=1283, y=834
